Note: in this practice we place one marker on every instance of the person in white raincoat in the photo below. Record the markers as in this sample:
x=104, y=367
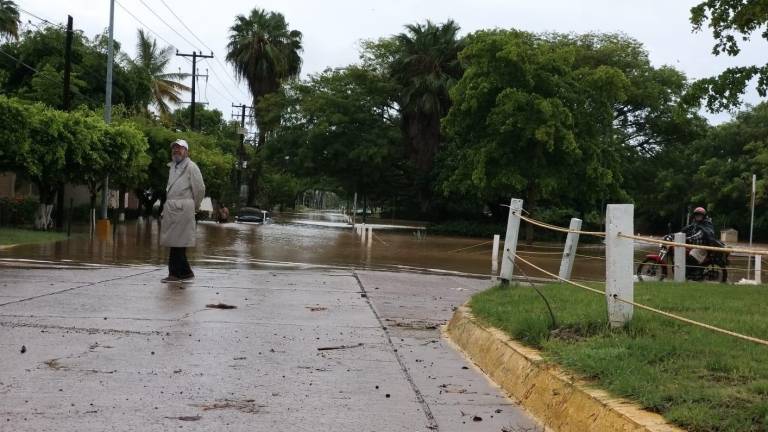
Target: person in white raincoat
x=184, y=193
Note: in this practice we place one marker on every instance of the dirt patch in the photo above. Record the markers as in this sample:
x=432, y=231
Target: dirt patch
x=54, y=364
x=316, y=308
x=414, y=324
x=248, y=406
x=567, y=334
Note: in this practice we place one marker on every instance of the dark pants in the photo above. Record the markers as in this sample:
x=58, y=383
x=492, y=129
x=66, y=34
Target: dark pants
x=177, y=263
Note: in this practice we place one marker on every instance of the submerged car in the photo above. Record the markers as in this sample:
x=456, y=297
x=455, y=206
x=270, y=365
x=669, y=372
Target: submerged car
x=252, y=215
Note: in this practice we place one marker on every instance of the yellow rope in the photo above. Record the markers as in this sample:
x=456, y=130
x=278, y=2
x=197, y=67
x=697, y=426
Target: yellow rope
x=561, y=229
x=651, y=309
x=470, y=247
x=692, y=246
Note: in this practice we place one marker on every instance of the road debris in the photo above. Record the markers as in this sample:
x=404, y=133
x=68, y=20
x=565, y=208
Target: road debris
x=220, y=306
x=340, y=347
x=317, y=308
x=23, y=349
x=186, y=418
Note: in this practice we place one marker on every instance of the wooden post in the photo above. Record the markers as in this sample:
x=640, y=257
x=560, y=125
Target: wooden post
x=618, y=267
x=510, y=241
x=679, y=258
x=569, y=251
x=495, y=254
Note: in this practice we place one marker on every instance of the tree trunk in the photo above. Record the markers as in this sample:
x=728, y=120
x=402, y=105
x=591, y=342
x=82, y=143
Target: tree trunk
x=43, y=216
x=60, y=207
x=530, y=202
x=121, y=205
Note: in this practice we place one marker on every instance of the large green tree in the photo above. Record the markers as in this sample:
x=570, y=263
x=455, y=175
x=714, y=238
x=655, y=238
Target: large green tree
x=265, y=53
x=731, y=22
x=720, y=170
x=555, y=119
x=152, y=61
x=425, y=65
x=42, y=49
x=341, y=125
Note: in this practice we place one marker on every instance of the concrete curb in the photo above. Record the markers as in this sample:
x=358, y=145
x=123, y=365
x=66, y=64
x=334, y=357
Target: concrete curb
x=557, y=399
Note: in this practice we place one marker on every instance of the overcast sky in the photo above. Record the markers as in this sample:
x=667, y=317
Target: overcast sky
x=333, y=28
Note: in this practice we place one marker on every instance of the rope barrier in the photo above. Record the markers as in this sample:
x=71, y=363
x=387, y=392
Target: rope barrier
x=561, y=229
x=541, y=253
x=470, y=247
x=651, y=309
x=692, y=246
x=379, y=239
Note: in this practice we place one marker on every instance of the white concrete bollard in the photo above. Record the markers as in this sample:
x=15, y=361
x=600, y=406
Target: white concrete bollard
x=370, y=235
x=759, y=269
x=495, y=254
x=569, y=251
x=510, y=241
x=679, y=258
x=619, y=283
x=362, y=233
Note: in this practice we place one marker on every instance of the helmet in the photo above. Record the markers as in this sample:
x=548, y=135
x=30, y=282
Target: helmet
x=700, y=210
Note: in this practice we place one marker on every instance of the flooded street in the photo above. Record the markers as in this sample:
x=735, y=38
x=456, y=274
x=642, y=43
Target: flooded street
x=318, y=239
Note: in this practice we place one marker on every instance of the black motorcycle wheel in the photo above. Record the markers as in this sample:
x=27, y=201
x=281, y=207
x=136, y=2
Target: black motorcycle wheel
x=716, y=273
x=651, y=271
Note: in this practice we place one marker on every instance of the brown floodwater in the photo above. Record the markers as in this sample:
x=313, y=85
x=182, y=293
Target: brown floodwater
x=317, y=239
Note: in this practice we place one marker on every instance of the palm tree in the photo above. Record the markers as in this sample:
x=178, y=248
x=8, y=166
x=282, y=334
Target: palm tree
x=425, y=67
x=152, y=60
x=263, y=52
x=9, y=19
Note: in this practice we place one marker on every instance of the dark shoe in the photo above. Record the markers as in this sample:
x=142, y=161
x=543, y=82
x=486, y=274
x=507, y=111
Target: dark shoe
x=187, y=278
x=170, y=279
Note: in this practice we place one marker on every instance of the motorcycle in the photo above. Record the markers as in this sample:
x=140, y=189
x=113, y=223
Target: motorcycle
x=655, y=267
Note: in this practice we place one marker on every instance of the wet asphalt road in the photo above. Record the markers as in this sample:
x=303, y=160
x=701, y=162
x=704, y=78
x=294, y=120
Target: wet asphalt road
x=111, y=348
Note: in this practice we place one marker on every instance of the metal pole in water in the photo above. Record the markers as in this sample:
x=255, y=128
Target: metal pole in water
x=108, y=98
x=751, y=225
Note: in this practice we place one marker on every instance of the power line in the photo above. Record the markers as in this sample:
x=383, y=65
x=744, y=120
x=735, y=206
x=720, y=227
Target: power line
x=220, y=80
x=146, y=27
x=216, y=76
x=27, y=66
x=169, y=26
x=41, y=19
x=201, y=41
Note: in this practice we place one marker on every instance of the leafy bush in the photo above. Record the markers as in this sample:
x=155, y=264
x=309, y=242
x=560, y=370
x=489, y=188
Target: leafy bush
x=17, y=211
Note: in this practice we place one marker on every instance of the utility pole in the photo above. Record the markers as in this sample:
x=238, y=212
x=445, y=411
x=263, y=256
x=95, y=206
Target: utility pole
x=241, y=154
x=195, y=55
x=66, y=106
x=103, y=225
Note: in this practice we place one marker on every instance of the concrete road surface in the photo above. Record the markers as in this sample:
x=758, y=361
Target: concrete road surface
x=111, y=348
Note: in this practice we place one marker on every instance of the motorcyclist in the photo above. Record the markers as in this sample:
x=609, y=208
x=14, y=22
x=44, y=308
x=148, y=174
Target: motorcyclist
x=700, y=231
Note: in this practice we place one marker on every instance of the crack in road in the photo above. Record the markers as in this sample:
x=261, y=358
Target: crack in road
x=431, y=421
x=78, y=287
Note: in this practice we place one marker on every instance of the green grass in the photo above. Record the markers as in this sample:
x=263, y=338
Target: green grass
x=13, y=236
x=697, y=379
